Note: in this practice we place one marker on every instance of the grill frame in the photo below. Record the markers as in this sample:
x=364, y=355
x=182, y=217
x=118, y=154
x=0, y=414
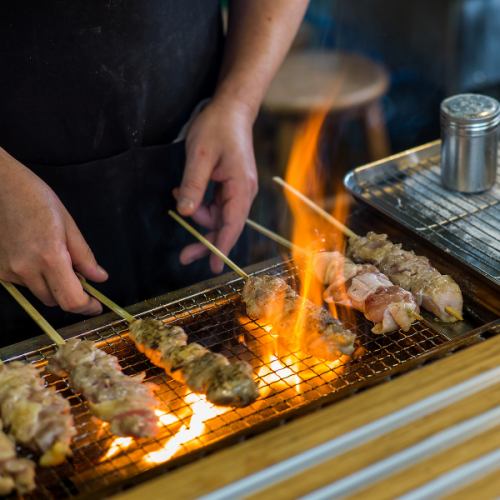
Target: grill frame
x=186, y=308
x=430, y=211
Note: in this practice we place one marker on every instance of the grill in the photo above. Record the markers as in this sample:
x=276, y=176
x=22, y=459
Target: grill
x=212, y=314
x=407, y=188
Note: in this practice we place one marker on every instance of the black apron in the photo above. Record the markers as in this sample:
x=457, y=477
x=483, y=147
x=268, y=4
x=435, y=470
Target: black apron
x=95, y=94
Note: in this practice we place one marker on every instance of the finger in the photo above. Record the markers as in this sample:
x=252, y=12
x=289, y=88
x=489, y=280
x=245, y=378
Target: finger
x=40, y=290
x=200, y=162
x=235, y=213
x=26, y=276
x=67, y=289
x=208, y=217
x=195, y=251
x=82, y=258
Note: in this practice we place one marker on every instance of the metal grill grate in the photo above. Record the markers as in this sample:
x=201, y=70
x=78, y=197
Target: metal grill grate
x=407, y=188
x=215, y=318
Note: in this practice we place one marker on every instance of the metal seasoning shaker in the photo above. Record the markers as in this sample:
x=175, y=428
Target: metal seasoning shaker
x=469, y=149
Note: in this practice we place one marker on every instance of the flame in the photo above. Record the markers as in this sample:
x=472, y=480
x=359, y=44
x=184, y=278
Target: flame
x=166, y=418
x=120, y=444
x=309, y=231
x=284, y=370
x=202, y=411
x=277, y=374
x=117, y=446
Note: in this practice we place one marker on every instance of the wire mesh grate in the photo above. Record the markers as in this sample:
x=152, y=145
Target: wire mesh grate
x=215, y=318
x=408, y=189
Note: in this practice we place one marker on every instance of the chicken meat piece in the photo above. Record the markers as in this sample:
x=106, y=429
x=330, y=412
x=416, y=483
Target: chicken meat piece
x=431, y=289
x=365, y=288
x=271, y=300
x=36, y=416
x=203, y=371
x=16, y=474
x=126, y=403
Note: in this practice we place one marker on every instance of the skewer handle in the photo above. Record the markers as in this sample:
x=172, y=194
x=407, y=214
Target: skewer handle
x=316, y=208
x=275, y=237
x=106, y=301
x=35, y=315
x=208, y=244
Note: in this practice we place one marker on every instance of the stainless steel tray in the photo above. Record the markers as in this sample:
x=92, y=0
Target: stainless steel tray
x=407, y=188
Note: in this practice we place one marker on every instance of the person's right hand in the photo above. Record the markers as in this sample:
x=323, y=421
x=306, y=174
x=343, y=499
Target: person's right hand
x=40, y=244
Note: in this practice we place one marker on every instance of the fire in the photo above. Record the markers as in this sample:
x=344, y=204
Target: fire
x=278, y=374
x=285, y=370
x=309, y=231
x=202, y=411
x=117, y=446
x=166, y=418
x=120, y=444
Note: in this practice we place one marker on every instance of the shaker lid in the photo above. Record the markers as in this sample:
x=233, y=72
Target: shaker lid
x=470, y=108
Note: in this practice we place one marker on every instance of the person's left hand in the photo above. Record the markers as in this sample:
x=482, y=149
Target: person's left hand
x=219, y=147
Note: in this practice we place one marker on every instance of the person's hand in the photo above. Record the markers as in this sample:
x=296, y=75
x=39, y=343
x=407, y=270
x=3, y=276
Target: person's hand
x=219, y=147
x=40, y=244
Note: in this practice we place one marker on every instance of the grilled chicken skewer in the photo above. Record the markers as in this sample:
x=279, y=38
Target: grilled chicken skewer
x=435, y=292
x=388, y=306
x=16, y=474
x=36, y=416
x=203, y=371
x=363, y=287
x=271, y=300
x=325, y=338
x=127, y=404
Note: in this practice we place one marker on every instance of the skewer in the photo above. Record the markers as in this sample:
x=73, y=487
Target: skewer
x=156, y=341
x=276, y=237
x=107, y=301
x=316, y=208
x=209, y=245
x=330, y=337
x=342, y=227
x=35, y=315
x=144, y=420
x=456, y=314
x=288, y=244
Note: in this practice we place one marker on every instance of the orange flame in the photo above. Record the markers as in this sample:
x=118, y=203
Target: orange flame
x=117, y=446
x=309, y=231
x=202, y=411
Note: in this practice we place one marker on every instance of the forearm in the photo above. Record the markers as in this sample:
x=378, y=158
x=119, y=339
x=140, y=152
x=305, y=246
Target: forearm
x=260, y=33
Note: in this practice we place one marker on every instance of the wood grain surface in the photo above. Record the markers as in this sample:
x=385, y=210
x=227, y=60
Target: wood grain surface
x=238, y=461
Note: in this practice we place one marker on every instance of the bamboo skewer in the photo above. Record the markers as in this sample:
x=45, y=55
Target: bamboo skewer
x=316, y=208
x=276, y=237
x=107, y=302
x=342, y=227
x=33, y=313
x=453, y=312
x=283, y=241
x=208, y=244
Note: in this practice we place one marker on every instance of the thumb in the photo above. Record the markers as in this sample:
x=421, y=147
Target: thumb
x=199, y=165
x=82, y=258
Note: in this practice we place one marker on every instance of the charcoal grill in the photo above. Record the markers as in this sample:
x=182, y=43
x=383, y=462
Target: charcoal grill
x=213, y=314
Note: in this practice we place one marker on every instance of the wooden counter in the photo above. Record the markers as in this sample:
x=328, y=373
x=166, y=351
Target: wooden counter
x=475, y=369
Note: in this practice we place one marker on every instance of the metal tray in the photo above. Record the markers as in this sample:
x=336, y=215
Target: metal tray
x=406, y=187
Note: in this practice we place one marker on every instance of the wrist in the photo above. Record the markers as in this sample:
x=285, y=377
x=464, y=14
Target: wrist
x=232, y=101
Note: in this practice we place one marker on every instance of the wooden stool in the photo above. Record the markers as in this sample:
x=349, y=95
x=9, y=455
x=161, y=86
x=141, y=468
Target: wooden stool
x=312, y=81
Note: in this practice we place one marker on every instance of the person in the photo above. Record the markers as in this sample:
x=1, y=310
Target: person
x=94, y=100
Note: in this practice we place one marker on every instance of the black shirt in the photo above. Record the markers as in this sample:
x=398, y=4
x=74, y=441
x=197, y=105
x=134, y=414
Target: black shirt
x=86, y=79
x=91, y=94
